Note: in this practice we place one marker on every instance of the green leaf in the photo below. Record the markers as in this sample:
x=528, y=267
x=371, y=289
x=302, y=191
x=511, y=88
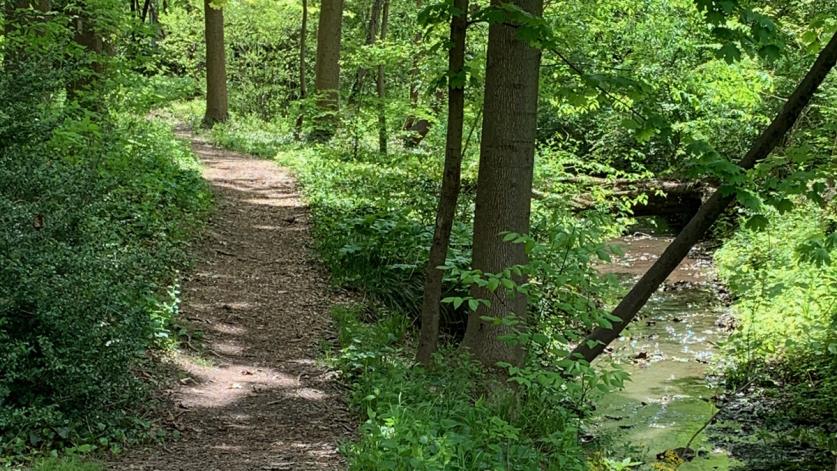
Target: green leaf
x=757, y=222
x=729, y=52
x=770, y=51
x=473, y=304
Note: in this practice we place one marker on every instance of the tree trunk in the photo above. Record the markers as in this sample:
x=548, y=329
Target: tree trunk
x=86, y=77
x=708, y=213
x=371, y=36
x=504, y=184
x=216, y=74
x=382, y=115
x=303, y=92
x=415, y=80
x=429, y=337
x=327, y=71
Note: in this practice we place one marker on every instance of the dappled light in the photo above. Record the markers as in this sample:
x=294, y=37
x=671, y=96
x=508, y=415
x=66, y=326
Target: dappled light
x=256, y=379
x=431, y=235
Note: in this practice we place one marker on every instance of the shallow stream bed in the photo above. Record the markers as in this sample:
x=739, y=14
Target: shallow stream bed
x=666, y=351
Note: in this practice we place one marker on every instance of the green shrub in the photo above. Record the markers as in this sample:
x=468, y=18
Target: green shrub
x=93, y=222
x=785, y=280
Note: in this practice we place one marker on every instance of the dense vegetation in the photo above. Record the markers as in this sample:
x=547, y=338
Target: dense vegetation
x=99, y=199
x=785, y=338
x=97, y=207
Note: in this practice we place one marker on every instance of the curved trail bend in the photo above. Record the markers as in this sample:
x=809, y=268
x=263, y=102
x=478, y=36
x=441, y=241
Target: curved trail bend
x=257, y=399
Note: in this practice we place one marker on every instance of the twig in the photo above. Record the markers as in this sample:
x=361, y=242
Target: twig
x=471, y=131
x=706, y=424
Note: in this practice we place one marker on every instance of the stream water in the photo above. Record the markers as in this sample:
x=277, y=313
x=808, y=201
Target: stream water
x=666, y=351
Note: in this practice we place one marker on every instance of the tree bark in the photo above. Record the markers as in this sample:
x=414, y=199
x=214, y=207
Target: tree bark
x=375, y=16
x=708, y=213
x=429, y=336
x=382, y=115
x=216, y=74
x=303, y=91
x=327, y=71
x=504, y=184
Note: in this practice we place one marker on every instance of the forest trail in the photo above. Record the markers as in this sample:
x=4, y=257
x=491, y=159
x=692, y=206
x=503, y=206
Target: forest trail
x=255, y=398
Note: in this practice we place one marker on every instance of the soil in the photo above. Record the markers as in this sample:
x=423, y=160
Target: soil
x=254, y=396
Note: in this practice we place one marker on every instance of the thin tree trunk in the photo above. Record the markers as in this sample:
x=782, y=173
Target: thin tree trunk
x=216, y=74
x=382, y=115
x=415, y=80
x=371, y=36
x=708, y=213
x=144, y=13
x=504, y=184
x=303, y=92
x=429, y=337
x=327, y=70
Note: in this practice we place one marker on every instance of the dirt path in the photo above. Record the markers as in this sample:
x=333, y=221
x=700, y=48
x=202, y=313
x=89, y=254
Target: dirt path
x=256, y=400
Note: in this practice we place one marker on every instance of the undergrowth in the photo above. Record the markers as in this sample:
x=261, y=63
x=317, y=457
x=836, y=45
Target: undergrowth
x=784, y=279
x=96, y=210
x=448, y=417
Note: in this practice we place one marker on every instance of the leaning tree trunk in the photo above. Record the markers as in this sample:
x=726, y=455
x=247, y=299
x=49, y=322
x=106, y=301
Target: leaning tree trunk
x=504, y=184
x=327, y=80
x=303, y=91
x=382, y=112
x=216, y=74
x=429, y=337
x=709, y=212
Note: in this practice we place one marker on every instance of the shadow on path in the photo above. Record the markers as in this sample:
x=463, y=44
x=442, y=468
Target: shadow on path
x=257, y=399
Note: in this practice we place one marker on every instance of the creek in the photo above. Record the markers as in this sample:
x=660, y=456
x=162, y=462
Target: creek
x=667, y=351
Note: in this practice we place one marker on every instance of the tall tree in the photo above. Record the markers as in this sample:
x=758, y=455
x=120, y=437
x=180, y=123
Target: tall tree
x=216, y=74
x=380, y=84
x=327, y=71
x=303, y=90
x=504, y=184
x=429, y=336
x=710, y=210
